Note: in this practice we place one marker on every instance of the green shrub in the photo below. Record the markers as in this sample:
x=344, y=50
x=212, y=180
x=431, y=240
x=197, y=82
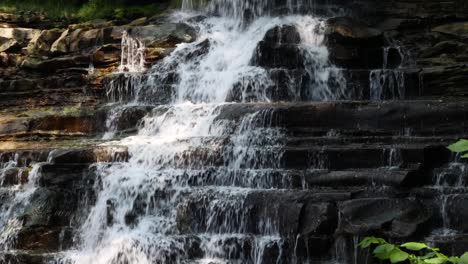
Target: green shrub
x=412, y=252
x=53, y=8
x=88, y=9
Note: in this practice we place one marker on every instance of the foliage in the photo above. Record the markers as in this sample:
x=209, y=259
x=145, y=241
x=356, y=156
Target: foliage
x=460, y=147
x=88, y=9
x=53, y=8
x=412, y=252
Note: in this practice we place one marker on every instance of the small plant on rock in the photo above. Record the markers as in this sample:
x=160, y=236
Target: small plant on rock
x=412, y=252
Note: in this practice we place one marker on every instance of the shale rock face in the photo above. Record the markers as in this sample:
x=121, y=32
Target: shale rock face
x=369, y=161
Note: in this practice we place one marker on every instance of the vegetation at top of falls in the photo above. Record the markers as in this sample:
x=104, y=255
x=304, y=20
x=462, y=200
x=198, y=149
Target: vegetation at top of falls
x=460, y=147
x=83, y=10
x=412, y=252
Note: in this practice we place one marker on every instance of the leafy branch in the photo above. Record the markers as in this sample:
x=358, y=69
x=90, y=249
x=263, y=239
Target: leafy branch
x=406, y=252
x=460, y=147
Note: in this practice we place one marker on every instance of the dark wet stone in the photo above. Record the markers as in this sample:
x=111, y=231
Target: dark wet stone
x=389, y=217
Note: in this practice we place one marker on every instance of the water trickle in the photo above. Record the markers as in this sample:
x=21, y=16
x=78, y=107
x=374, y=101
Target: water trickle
x=394, y=158
x=446, y=180
x=132, y=58
x=388, y=83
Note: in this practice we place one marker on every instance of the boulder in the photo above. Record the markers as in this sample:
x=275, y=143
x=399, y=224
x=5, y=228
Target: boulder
x=396, y=218
x=164, y=35
x=61, y=44
x=353, y=44
x=106, y=55
x=351, y=29
x=318, y=219
x=9, y=45
x=279, y=49
x=43, y=42
x=54, y=64
x=81, y=40
x=13, y=39
x=21, y=35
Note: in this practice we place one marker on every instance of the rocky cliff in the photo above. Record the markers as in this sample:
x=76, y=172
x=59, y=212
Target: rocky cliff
x=371, y=162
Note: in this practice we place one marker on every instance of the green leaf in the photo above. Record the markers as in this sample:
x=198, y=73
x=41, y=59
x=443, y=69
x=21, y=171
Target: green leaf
x=368, y=241
x=414, y=246
x=429, y=255
x=438, y=260
x=385, y=248
x=460, y=146
x=465, y=156
x=382, y=252
x=464, y=259
x=397, y=256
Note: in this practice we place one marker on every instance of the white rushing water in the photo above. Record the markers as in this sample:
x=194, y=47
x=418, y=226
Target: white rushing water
x=185, y=156
x=133, y=54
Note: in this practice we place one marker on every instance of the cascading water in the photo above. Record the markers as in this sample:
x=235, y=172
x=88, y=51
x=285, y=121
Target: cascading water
x=133, y=54
x=389, y=82
x=182, y=197
x=446, y=180
x=122, y=88
x=19, y=198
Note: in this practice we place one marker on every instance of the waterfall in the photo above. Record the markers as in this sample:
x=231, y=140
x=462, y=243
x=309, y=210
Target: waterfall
x=185, y=192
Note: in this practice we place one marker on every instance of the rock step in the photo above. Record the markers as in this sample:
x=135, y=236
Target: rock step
x=65, y=120
x=413, y=175
x=333, y=157
x=69, y=81
x=387, y=115
x=67, y=154
x=308, y=137
x=365, y=177
x=406, y=83
x=63, y=174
